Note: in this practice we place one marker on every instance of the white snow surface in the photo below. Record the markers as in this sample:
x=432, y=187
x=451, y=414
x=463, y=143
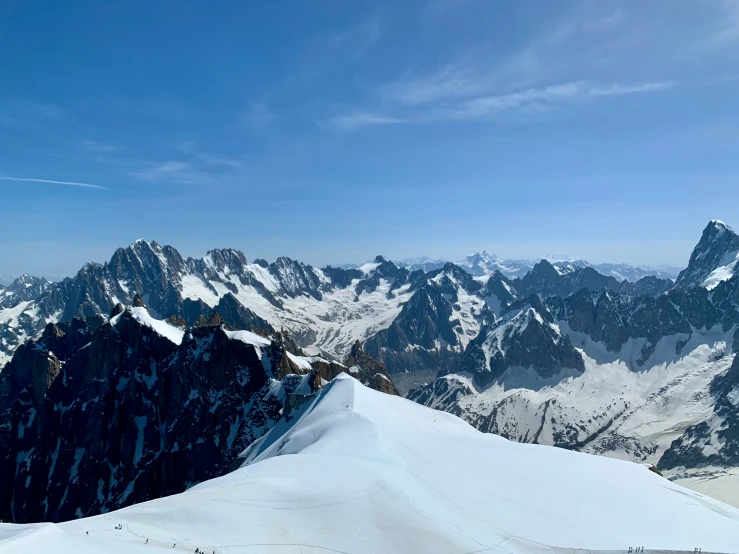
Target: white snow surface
x=330, y=326
x=170, y=332
x=363, y=472
x=718, y=482
x=725, y=271
x=648, y=406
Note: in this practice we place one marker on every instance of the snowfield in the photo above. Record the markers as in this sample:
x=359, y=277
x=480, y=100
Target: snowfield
x=357, y=471
x=614, y=408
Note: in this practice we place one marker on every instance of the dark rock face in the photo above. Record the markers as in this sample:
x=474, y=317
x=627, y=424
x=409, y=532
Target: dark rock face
x=717, y=241
x=547, y=280
x=342, y=277
x=238, y=316
x=297, y=278
x=428, y=333
x=23, y=289
x=524, y=337
x=387, y=270
x=613, y=318
x=647, y=286
x=502, y=288
x=367, y=370
x=714, y=441
x=94, y=421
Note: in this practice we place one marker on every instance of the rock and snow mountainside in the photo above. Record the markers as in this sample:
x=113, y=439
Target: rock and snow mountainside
x=353, y=470
x=562, y=355
x=97, y=419
x=652, y=372
x=526, y=336
x=715, y=440
x=17, y=312
x=549, y=280
x=447, y=310
x=714, y=258
x=651, y=381
x=328, y=309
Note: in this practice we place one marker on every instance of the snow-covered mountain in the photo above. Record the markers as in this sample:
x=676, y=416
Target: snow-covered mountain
x=97, y=419
x=481, y=263
x=563, y=355
x=650, y=368
x=353, y=470
x=424, y=263
x=714, y=259
x=526, y=336
x=435, y=325
x=328, y=309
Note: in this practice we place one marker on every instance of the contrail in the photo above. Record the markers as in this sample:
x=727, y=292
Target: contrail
x=67, y=183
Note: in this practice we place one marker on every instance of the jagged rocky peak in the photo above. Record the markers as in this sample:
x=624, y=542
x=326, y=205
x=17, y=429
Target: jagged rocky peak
x=25, y=281
x=451, y=278
x=23, y=289
x=237, y=316
x=368, y=371
x=501, y=286
x=144, y=264
x=218, y=263
x=714, y=258
x=526, y=337
x=297, y=278
x=544, y=272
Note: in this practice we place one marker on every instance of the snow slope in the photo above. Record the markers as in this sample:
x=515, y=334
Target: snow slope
x=362, y=472
x=614, y=408
x=718, y=482
x=170, y=332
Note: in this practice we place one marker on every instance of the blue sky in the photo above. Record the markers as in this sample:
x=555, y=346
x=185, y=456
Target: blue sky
x=331, y=131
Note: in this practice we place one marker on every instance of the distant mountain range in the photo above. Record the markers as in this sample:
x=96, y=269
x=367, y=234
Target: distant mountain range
x=481, y=263
x=560, y=354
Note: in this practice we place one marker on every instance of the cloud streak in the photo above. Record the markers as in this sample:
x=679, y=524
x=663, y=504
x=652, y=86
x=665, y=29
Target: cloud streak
x=52, y=182
x=357, y=120
x=485, y=107
x=542, y=99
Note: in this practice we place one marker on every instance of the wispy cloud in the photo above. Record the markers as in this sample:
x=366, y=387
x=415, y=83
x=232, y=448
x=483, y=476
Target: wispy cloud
x=357, y=120
x=525, y=102
x=170, y=170
x=201, y=169
x=357, y=40
x=727, y=29
x=454, y=80
x=537, y=100
x=212, y=160
x=101, y=147
x=52, y=182
x=257, y=118
x=569, y=63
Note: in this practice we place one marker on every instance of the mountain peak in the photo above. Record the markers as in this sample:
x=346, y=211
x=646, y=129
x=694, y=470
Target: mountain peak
x=714, y=258
x=481, y=255
x=718, y=223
